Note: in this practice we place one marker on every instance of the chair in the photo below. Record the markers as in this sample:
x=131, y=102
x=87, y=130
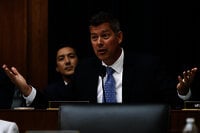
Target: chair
x=115, y=118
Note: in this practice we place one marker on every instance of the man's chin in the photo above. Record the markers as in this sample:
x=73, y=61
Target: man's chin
x=102, y=57
x=69, y=74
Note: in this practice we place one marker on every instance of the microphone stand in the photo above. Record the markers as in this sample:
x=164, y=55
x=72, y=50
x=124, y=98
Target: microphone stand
x=102, y=74
x=104, y=97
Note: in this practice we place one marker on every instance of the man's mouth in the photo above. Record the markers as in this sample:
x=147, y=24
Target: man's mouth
x=68, y=68
x=101, y=51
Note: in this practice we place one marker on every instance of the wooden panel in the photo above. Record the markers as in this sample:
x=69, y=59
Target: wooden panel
x=24, y=38
x=178, y=117
x=32, y=119
x=38, y=43
x=13, y=33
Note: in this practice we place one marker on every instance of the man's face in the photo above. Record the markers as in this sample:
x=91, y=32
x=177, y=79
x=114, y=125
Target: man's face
x=66, y=61
x=105, y=43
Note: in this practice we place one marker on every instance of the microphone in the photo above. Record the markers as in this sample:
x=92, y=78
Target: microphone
x=102, y=73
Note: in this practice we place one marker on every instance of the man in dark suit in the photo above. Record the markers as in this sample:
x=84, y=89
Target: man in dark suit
x=6, y=91
x=138, y=78
x=135, y=86
x=66, y=61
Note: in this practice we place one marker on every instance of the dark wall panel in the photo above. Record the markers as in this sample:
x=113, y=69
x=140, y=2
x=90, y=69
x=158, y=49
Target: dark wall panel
x=169, y=29
x=24, y=38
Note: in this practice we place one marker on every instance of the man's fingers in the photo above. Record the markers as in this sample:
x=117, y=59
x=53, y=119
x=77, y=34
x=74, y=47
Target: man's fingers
x=14, y=70
x=180, y=79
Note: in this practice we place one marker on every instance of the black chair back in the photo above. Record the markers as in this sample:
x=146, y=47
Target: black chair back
x=115, y=118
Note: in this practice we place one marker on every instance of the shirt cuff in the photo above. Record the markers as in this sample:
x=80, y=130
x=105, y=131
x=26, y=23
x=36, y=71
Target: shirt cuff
x=29, y=99
x=185, y=97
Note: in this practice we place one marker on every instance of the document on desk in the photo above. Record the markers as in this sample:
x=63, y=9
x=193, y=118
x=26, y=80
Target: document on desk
x=23, y=108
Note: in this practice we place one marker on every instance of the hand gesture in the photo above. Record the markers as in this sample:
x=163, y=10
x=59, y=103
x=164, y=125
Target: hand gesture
x=185, y=81
x=17, y=79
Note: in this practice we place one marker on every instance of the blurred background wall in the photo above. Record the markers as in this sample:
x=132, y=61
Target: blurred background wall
x=24, y=38
x=31, y=29
x=166, y=28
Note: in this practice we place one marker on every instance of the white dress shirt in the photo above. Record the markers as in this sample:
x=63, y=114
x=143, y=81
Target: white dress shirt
x=118, y=67
x=8, y=127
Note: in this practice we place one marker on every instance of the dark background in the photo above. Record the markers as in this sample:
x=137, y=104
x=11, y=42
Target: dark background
x=166, y=28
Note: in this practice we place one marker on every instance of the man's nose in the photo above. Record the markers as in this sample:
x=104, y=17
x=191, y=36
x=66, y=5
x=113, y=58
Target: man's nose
x=99, y=42
x=67, y=60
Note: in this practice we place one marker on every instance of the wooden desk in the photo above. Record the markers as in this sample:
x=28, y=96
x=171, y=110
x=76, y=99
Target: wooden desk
x=32, y=119
x=48, y=119
x=177, y=119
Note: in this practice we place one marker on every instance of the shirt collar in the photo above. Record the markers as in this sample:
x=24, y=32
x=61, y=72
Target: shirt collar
x=118, y=64
x=65, y=82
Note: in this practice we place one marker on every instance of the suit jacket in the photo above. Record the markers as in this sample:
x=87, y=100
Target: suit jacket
x=195, y=87
x=6, y=91
x=145, y=79
x=56, y=91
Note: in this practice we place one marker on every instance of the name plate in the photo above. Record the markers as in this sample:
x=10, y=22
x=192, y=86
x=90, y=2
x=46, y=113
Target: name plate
x=192, y=104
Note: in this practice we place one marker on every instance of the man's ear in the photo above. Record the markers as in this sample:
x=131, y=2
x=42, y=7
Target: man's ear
x=120, y=37
x=57, y=69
